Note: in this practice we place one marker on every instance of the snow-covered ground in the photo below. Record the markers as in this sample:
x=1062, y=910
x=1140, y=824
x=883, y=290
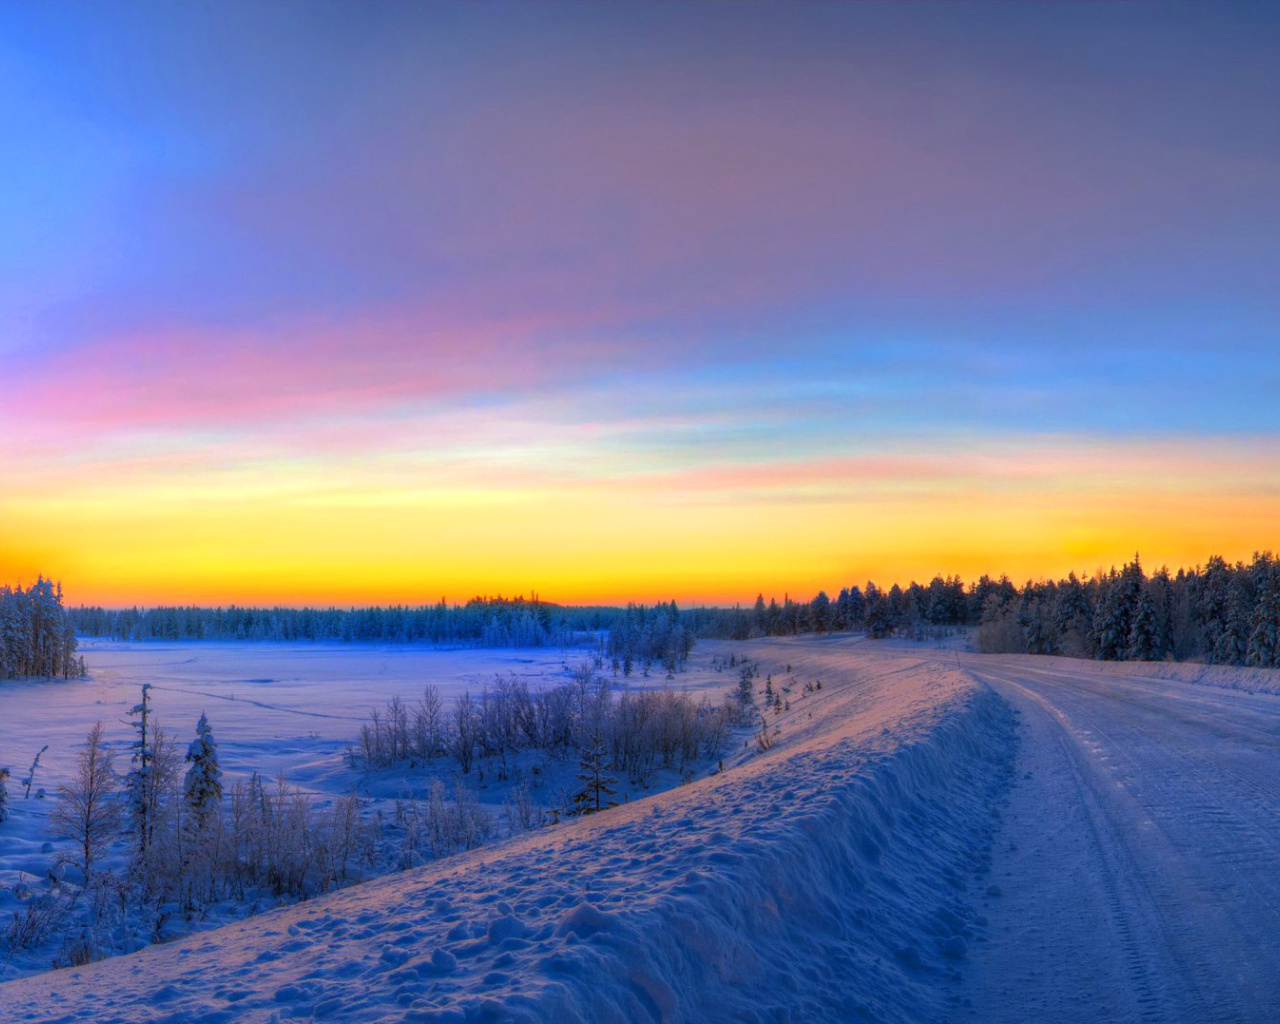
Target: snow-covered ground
x=830, y=878
x=291, y=709
x=934, y=836
x=1139, y=863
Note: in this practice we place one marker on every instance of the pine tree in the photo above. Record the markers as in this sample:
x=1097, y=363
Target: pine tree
x=139, y=783
x=1114, y=616
x=1072, y=617
x=1264, y=636
x=1211, y=605
x=202, y=790
x=879, y=616
x=1144, y=632
x=1233, y=640
x=4, y=794
x=820, y=612
x=597, y=783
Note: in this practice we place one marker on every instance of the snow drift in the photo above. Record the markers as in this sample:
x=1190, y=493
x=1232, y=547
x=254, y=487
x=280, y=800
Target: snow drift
x=830, y=878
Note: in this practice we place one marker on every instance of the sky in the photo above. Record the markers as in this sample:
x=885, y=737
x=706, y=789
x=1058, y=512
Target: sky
x=359, y=303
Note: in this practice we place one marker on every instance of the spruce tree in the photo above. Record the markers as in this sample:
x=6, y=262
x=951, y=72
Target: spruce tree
x=1144, y=632
x=1264, y=635
x=1072, y=617
x=1232, y=642
x=202, y=790
x=820, y=612
x=139, y=781
x=597, y=783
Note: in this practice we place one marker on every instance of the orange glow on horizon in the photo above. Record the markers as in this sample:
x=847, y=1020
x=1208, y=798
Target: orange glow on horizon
x=610, y=542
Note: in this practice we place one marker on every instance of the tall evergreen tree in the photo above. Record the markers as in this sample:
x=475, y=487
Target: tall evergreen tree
x=1264, y=633
x=1143, y=632
x=140, y=782
x=202, y=789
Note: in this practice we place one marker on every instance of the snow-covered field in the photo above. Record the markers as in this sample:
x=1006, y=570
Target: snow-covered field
x=844, y=852
x=275, y=709
x=934, y=836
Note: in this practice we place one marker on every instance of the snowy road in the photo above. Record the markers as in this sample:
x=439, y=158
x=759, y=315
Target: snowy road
x=1139, y=862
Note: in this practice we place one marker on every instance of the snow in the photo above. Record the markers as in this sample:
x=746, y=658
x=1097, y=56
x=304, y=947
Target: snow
x=830, y=878
x=1152, y=890
x=935, y=835
x=274, y=708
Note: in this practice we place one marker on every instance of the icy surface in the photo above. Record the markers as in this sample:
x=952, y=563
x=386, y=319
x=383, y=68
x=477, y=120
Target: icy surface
x=1138, y=871
x=831, y=878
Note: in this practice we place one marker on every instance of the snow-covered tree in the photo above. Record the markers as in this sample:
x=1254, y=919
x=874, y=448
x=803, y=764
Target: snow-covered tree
x=1144, y=643
x=36, y=635
x=88, y=812
x=1264, y=635
x=1113, y=619
x=140, y=782
x=1072, y=617
x=202, y=789
x=4, y=794
x=820, y=612
x=879, y=617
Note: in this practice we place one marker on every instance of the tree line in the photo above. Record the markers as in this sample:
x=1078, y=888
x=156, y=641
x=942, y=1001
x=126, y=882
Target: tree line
x=480, y=622
x=37, y=636
x=1221, y=613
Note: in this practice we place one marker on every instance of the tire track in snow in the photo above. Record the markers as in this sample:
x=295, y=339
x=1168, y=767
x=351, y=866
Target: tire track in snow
x=258, y=703
x=1184, y=813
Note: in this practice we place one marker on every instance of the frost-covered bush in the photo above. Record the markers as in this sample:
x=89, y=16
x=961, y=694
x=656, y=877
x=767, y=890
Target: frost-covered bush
x=88, y=811
x=644, y=731
x=462, y=824
x=40, y=917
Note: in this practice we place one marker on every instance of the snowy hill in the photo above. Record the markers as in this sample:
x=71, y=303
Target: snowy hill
x=832, y=877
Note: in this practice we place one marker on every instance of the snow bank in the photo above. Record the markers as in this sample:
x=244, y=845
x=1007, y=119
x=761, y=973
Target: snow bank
x=828, y=879
x=1243, y=678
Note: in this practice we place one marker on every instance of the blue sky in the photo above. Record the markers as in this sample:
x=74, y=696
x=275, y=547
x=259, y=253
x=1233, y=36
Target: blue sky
x=655, y=237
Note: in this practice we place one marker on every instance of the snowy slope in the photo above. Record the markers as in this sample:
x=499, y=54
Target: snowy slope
x=831, y=878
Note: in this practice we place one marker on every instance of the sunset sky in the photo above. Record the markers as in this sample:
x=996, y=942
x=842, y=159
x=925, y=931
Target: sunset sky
x=362, y=303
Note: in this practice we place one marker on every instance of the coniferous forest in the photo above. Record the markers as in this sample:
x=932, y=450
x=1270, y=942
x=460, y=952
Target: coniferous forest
x=1221, y=613
x=37, y=637
x=480, y=622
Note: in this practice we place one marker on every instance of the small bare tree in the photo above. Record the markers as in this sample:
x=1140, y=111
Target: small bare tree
x=88, y=812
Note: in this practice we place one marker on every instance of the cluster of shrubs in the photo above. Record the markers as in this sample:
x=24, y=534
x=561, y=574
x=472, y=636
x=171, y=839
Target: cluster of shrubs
x=641, y=730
